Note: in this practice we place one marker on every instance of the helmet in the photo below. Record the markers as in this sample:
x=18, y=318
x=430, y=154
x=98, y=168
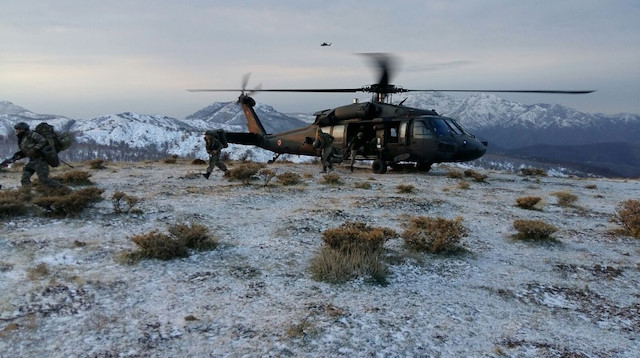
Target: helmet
x=209, y=132
x=360, y=134
x=21, y=125
x=316, y=144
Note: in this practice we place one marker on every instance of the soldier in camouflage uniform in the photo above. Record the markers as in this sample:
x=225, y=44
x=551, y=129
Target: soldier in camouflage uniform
x=356, y=146
x=324, y=142
x=214, y=148
x=31, y=144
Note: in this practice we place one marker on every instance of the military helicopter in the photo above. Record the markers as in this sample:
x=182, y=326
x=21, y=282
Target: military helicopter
x=395, y=134
x=325, y=44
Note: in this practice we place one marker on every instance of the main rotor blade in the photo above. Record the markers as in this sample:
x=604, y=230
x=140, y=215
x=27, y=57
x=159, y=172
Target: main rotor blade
x=499, y=91
x=319, y=90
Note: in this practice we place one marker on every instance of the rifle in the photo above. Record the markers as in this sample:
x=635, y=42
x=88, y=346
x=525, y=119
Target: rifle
x=6, y=162
x=63, y=162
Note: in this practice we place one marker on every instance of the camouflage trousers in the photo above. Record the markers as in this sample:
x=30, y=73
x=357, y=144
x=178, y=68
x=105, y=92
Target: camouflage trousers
x=325, y=157
x=39, y=167
x=214, y=161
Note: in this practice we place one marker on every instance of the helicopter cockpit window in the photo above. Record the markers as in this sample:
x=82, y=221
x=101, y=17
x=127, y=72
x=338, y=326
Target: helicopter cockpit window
x=453, y=127
x=338, y=133
x=440, y=127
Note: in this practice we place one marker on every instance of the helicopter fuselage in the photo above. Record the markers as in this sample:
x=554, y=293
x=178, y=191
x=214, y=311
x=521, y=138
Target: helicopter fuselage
x=393, y=134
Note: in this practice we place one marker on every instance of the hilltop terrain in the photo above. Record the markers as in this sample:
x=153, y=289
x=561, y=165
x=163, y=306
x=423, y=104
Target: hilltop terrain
x=65, y=293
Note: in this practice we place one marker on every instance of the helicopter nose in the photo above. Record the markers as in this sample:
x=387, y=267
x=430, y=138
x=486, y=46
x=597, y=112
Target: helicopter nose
x=472, y=148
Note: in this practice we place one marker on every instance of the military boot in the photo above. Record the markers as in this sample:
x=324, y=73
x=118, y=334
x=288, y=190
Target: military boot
x=206, y=175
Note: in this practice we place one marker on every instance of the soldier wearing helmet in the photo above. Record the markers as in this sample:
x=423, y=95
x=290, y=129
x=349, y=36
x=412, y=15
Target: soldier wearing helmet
x=356, y=146
x=324, y=143
x=31, y=144
x=214, y=146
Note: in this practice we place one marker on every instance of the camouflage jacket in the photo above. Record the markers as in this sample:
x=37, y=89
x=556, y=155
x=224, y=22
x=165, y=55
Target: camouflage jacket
x=325, y=139
x=30, y=144
x=213, y=145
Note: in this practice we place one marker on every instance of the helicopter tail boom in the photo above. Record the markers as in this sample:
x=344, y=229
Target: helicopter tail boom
x=253, y=123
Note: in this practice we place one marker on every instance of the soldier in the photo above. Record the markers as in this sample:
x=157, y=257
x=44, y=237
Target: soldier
x=214, y=148
x=31, y=145
x=356, y=145
x=324, y=142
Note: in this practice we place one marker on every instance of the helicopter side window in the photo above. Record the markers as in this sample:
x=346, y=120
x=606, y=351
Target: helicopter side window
x=440, y=127
x=420, y=130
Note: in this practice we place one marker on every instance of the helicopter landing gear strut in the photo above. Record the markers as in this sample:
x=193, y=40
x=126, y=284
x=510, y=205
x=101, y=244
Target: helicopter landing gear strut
x=274, y=158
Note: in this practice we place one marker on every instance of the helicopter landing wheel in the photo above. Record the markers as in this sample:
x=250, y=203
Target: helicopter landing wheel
x=423, y=166
x=379, y=166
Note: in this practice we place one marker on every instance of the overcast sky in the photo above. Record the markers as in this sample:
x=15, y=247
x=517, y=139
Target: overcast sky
x=85, y=58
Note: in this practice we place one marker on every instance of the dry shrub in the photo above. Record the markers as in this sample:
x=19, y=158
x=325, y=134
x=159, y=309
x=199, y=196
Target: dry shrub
x=332, y=179
x=628, y=215
x=40, y=271
x=533, y=230
x=533, y=171
x=198, y=162
x=362, y=185
x=15, y=202
x=454, y=174
x=171, y=160
x=352, y=250
x=74, y=177
x=69, y=204
x=475, y=175
x=194, y=236
x=161, y=246
x=245, y=172
x=405, y=188
x=289, y=178
x=123, y=203
x=266, y=175
x=463, y=185
x=96, y=164
x=434, y=235
x=528, y=202
x=565, y=198
x=591, y=186
x=181, y=237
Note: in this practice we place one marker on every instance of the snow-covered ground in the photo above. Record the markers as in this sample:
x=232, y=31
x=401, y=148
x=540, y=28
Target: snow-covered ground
x=254, y=295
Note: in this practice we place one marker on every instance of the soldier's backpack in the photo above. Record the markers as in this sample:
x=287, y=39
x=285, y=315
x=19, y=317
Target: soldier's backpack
x=222, y=137
x=57, y=142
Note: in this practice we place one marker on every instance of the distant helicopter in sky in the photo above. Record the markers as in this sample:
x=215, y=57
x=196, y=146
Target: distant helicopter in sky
x=325, y=44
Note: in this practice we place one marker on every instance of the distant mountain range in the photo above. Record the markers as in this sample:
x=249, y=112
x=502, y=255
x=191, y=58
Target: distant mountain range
x=539, y=134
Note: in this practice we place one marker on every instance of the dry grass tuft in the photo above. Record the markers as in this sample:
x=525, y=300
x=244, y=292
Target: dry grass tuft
x=181, y=237
x=97, y=164
x=528, y=202
x=123, y=203
x=289, y=178
x=352, y=250
x=565, y=198
x=266, y=175
x=480, y=178
x=40, y=271
x=628, y=215
x=405, y=189
x=362, y=185
x=332, y=179
x=434, y=235
x=171, y=160
x=69, y=204
x=74, y=177
x=533, y=230
x=198, y=162
x=15, y=202
x=194, y=236
x=245, y=172
x=161, y=246
x=533, y=172
x=454, y=174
